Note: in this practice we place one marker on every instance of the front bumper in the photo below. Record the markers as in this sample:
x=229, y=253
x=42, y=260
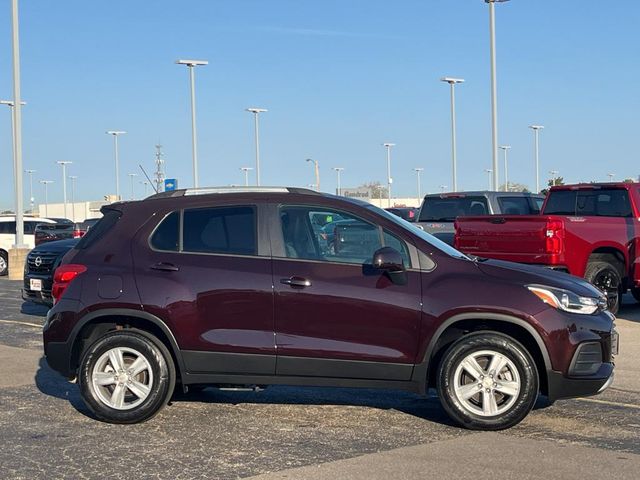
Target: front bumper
x=561, y=386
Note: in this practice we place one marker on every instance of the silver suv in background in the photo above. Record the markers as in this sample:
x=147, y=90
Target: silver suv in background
x=439, y=211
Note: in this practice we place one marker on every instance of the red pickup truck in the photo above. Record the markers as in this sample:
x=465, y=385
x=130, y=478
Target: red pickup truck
x=588, y=230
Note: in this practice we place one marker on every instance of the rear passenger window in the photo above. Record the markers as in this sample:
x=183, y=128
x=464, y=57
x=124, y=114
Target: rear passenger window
x=230, y=230
x=514, y=205
x=166, y=236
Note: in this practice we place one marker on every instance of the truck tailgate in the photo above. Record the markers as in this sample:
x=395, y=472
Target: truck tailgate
x=520, y=238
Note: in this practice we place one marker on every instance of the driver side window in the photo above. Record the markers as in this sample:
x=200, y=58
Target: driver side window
x=333, y=236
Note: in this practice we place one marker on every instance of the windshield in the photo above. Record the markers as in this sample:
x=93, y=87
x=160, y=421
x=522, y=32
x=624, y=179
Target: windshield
x=427, y=237
x=446, y=209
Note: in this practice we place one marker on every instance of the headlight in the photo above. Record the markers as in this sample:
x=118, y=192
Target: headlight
x=567, y=300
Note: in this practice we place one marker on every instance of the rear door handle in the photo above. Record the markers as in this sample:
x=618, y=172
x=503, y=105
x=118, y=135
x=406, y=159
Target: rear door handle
x=296, y=282
x=165, y=267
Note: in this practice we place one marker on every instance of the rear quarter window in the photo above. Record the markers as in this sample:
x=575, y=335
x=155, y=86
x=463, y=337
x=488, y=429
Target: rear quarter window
x=228, y=230
x=98, y=231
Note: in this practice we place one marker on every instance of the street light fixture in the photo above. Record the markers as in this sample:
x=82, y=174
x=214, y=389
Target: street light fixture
x=73, y=179
x=256, y=112
x=194, y=146
x=116, y=134
x=132, y=177
x=146, y=186
x=64, y=184
x=389, y=178
x=339, y=171
x=611, y=175
x=494, y=87
x=489, y=172
x=505, y=149
x=31, y=199
x=554, y=176
x=452, y=82
x=317, y=172
x=536, y=130
x=419, y=171
x=246, y=171
x=46, y=196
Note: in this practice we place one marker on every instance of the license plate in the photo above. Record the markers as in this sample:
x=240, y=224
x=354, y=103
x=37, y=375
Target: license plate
x=35, y=284
x=615, y=343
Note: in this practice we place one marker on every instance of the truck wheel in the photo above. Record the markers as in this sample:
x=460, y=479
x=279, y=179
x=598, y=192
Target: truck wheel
x=4, y=263
x=606, y=277
x=126, y=377
x=487, y=381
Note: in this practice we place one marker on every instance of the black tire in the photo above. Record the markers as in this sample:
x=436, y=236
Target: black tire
x=606, y=277
x=4, y=263
x=161, y=377
x=515, y=408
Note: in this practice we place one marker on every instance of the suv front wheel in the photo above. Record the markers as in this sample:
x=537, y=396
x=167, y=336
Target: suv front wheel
x=487, y=381
x=126, y=377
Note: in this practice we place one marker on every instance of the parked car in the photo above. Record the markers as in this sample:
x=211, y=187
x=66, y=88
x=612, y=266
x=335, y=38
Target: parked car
x=439, y=211
x=39, y=267
x=588, y=230
x=231, y=287
x=409, y=214
x=8, y=236
x=50, y=232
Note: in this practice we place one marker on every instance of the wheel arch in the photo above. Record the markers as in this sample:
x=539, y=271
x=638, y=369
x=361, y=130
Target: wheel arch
x=459, y=325
x=603, y=253
x=97, y=323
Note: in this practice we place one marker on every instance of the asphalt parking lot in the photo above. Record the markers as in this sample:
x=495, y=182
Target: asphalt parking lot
x=299, y=433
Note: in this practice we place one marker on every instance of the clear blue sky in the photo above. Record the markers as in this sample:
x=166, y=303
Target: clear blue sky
x=338, y=77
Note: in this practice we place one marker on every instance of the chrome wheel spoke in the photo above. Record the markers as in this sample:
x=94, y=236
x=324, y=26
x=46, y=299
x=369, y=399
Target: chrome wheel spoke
x=498, y=362
x=139, y=366
x=489, y=405
x=140, y=390
x=508, y=388
x=104, y=378
x=116, y=359
x=467, y=391
x=117, y=397
x=472, y=367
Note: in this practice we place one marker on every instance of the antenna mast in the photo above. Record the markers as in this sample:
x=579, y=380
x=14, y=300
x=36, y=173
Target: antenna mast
x=159, y=174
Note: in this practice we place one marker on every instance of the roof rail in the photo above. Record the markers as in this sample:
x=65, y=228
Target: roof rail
x=232, y=189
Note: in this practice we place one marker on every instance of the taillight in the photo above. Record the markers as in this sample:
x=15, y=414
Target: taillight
x=63, y=277
x=554, y=236
x=78, y=233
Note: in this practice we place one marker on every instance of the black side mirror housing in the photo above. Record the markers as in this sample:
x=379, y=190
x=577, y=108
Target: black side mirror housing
x=390, y=261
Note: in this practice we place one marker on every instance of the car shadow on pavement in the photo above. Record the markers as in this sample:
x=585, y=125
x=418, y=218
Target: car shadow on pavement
x=630, y=309
x=53, y=384
x=36, y=309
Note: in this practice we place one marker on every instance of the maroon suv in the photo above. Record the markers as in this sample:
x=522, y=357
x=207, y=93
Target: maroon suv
x=288, y=286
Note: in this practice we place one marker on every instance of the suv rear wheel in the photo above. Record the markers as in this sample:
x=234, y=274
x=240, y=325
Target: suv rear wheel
x=4, y=263
x=487, y=381
x=126, y=377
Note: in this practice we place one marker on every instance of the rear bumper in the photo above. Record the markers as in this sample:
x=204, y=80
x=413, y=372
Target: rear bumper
x=58, y=355
x=44, y=297
x=561, y=386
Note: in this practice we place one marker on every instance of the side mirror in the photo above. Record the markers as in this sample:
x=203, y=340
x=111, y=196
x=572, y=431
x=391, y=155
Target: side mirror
x=388, y=259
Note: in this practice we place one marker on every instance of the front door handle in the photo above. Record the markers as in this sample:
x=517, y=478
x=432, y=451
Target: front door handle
x=296, y=282
x=165, y=267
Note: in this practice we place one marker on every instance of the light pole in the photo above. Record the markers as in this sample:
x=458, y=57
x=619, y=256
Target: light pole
x=246, y=171
x=116, y=134
x=73, y=179
x=454, y=163
x=17, y=128
x=494, y=87
x=317, y=172
x=9, y=103
x=505, y=149
x=554, y=176
x=419, y=171
x=256, y=112
x=443, y=188
x=389, y=179
x=339, y=171
x=46, y=196
x=611, y=175
x=31, y=199
x=146, y=185
x=489, y=172
x=536, y=130
x=64, y=184
x=191, y=64
x=132, y=176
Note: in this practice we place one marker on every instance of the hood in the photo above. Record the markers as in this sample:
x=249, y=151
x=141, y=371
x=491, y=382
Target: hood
x=535, y=275
x=58, y=246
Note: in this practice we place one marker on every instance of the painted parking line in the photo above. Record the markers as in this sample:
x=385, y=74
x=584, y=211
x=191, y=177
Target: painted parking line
x=608, y=402
x=21, y=323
